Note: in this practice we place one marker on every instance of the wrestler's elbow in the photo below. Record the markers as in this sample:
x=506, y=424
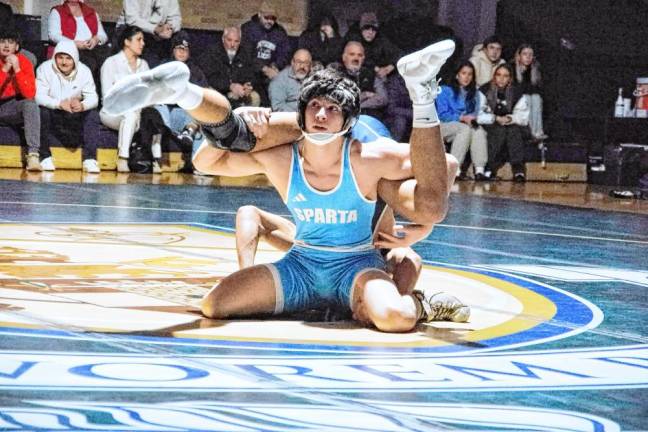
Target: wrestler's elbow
x=430, y=208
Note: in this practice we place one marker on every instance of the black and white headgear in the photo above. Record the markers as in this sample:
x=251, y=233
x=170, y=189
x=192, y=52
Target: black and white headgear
x=334, y=86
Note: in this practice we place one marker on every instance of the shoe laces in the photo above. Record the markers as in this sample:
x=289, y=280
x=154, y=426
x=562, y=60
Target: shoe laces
x=437, y=310
x=442, y=311
x=431, y=89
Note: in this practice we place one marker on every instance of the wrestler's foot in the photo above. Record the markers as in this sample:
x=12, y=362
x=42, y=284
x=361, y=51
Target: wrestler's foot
x=419, y=70
x=161, y=85
x=442, y=307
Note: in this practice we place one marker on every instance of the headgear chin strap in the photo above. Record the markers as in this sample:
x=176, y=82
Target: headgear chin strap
x=323, y=138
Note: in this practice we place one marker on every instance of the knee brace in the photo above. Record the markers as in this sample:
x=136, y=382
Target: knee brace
x=231, y=134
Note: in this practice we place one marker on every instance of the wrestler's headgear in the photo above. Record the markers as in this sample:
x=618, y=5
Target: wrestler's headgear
x=334, y=86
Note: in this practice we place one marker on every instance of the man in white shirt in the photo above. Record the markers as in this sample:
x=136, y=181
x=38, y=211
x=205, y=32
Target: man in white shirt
x=66, y=93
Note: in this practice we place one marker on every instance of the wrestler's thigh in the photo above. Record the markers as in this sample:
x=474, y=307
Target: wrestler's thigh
x=246, y=292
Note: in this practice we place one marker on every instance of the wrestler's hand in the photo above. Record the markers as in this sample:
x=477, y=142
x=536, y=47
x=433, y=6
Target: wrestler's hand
x=256, y=118
x=402, y=236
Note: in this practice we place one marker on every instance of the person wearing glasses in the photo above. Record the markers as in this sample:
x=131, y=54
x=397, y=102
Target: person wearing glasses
x=269, y=43
x=284, y=88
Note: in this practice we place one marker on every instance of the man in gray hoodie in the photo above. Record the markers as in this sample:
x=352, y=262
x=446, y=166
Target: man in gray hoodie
x=66, y=93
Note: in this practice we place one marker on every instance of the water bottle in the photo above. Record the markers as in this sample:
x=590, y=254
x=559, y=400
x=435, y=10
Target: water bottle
x=618, y=106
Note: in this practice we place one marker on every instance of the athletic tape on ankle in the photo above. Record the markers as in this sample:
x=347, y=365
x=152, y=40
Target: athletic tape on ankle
x=424, y=116
x=231, y=134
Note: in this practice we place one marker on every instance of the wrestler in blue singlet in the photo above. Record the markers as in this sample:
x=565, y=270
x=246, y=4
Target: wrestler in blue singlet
x=333, y=242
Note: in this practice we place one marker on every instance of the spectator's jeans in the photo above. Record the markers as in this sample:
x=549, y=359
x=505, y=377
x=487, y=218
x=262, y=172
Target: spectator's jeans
x=535, y=114
x=69, y=129
x=177, y=119
x=500, y=139
x=463, y=138
x=23, y=111
x=127, y=125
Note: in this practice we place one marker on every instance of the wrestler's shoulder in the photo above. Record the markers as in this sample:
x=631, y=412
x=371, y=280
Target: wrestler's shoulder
x=380, y=148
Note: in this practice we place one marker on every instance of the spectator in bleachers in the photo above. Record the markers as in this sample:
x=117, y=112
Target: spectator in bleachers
x=17, y=91
x=380, y=53
x=66, y=94
x=458, y=106
x=398, y=115
x=284, y=88
x=74, y=20
x=381, y=56
x=159, y=21
x=269, y=43
x=504, y=112
x=323, y=42
x=229, y=69
x=183, y=129
x=373, y=94
x=486, y=57
x=126, y=62
x=526, y=71
x=9, y=22
x=6, y=15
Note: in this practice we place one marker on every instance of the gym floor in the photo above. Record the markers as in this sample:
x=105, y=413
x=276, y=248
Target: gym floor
x=100, y=278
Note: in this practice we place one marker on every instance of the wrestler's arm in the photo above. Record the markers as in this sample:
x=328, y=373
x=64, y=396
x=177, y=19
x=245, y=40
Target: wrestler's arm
x=402, y=235
x=401, y=195
x=388, y=159
x=213, y=161
x=270, y=129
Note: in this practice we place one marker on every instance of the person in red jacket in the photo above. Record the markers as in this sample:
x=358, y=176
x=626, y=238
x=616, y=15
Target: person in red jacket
x=17, y=92
x=77, y=21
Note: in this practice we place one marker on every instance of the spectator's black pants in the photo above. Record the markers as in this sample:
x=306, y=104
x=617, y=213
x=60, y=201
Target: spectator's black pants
x=69, y=129
x=505, y=143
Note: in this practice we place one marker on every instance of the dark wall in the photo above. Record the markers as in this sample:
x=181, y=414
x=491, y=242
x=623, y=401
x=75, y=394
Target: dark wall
x=349, y=11
x=587, y=48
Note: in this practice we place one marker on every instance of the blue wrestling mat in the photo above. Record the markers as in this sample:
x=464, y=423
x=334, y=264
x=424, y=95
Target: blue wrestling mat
x=100, y=327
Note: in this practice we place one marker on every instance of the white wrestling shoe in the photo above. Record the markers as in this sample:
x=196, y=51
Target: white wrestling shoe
x=165, y=84
x=419, y=70
x=440, y=306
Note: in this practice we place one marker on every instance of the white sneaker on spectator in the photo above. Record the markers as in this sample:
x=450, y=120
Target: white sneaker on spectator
x=122, y=165
x=48, y=164
x=91, y=166
x=161, y=85
x=33, y=162
x=157, y=169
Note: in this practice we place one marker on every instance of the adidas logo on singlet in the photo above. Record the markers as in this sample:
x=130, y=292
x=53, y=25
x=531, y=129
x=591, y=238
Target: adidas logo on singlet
x=326, y=216
x=299, y=198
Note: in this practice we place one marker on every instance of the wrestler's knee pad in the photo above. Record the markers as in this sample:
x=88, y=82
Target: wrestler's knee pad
x=231, y=134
